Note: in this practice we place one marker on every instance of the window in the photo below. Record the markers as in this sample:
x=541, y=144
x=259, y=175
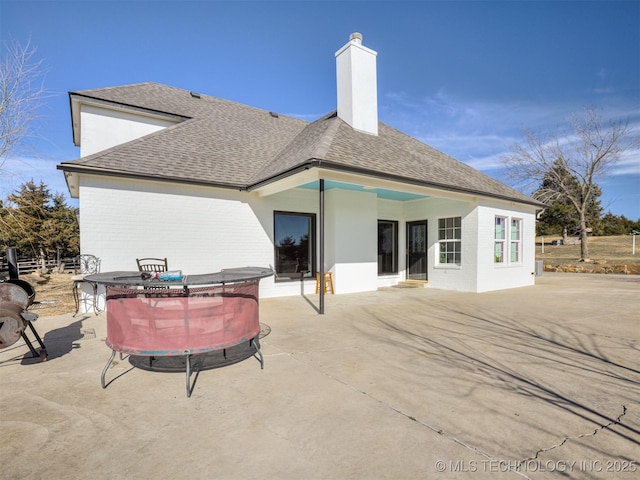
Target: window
x=507, y=241
x=387, y=247
x=500, y=239
x=449, y=240
x=294, y=240
x=516, y=240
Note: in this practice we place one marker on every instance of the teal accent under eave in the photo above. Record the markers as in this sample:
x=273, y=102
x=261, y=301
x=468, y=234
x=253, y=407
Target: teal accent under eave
x=380, y=192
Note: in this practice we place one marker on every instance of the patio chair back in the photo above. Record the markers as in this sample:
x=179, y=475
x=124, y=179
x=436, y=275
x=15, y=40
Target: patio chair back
x=152, y=264
x=89, y=264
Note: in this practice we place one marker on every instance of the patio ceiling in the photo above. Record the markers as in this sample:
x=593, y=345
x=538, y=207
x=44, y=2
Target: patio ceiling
x=380, y=192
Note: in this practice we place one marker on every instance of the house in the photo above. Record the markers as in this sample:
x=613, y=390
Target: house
x=214, y=184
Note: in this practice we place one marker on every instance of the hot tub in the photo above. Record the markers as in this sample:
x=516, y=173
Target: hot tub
x=191, y=316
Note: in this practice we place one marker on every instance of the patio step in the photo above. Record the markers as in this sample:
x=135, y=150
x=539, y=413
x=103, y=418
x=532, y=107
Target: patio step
x=412, y=284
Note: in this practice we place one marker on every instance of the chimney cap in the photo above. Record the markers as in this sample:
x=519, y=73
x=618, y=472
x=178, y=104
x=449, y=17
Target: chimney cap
x=356, y=38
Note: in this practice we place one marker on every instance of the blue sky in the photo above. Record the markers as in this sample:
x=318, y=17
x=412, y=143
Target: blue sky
x=463, y=76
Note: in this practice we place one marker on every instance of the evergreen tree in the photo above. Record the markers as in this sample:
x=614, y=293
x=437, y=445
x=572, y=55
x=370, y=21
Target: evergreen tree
x=618, y=225
x=34, y=221
x=60, y=230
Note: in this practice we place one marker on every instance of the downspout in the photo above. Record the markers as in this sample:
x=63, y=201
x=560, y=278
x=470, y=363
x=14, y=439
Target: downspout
x=321, y=262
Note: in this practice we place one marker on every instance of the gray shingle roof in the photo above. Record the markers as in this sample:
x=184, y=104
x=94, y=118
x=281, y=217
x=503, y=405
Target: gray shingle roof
x=229, y=144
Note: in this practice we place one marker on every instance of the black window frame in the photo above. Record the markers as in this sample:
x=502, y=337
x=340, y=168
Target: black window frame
x=395, y=252
x=291, y=276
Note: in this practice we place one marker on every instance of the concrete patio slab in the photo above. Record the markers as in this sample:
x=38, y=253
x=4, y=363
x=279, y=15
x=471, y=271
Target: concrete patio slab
x=536, y=382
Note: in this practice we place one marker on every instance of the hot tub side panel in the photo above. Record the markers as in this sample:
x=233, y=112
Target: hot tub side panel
x=159, y=322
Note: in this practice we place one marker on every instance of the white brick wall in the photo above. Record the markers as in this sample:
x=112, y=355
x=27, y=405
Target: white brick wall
x=206, y=229
x=492, y=276
x=198, y=229
x=450, y=277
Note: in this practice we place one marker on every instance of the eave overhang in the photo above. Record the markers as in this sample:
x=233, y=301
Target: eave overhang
x=72, y=173
x=277, y=183
x=76, y=100
x=301, y=174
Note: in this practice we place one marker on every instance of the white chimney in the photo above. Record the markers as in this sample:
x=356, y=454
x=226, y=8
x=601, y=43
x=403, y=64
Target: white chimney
x=357, y=85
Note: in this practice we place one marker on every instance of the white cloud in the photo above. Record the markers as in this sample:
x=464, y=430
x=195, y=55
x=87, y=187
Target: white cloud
x=480, y=132
x=475, y=132
x=629, y=164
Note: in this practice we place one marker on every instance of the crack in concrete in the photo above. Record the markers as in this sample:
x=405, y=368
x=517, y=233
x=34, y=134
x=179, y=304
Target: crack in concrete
x=387, y=405
x=437, y=430
x=511, y=468
x=617, y=421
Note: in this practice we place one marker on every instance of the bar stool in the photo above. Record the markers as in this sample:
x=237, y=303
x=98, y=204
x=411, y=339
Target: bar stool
x=328, y=282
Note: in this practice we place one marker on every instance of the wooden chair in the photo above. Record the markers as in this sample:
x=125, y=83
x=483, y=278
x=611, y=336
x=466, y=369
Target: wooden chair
x=152, y=264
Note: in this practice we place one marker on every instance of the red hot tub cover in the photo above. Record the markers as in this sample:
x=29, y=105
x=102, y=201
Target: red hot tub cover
x=157, y=322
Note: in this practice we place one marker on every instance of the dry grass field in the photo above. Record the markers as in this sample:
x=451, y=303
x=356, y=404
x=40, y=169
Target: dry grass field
x=53, y=294
x=606, y=254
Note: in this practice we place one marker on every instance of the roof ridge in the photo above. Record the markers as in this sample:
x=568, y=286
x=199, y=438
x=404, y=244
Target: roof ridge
x=133, y=141
x=118, y=87
x=326, y=139
x=186, y=109
x=289, y=156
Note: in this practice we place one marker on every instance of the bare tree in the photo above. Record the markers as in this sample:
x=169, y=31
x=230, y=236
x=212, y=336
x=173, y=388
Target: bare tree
x=566, y=168
x=21, y=93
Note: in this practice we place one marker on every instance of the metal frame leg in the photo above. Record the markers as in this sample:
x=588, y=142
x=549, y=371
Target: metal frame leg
x=29, y=344
x=76, y=297
x=256, y=344
x=188, y=370
x=94, y=301
x=43, y=350
x=106, y=367
x=187, y=362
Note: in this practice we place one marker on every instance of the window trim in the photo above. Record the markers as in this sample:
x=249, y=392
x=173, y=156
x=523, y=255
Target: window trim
x=502, y=242
x=517, y=242
x=507, y=242
x=313, y=249
x=454, y=229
